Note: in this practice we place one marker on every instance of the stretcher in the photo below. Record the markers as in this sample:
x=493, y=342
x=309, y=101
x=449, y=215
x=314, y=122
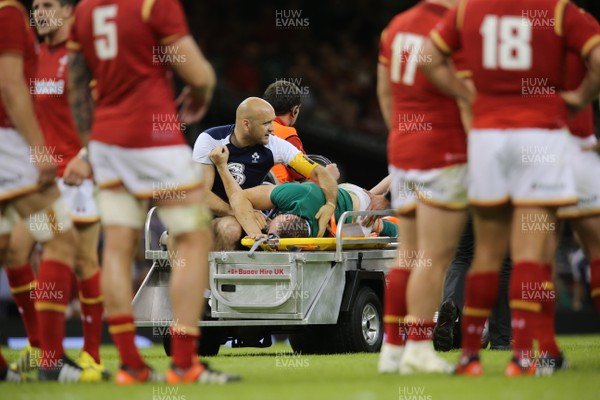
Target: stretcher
x=325, y=293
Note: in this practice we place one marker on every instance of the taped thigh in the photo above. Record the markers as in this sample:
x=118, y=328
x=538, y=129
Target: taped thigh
x=47, y=223
x=8, y=218
x=184, y=218
x=121, y=208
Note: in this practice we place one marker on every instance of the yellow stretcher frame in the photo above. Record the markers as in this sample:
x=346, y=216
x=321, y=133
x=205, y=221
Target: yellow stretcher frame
x=317, y=244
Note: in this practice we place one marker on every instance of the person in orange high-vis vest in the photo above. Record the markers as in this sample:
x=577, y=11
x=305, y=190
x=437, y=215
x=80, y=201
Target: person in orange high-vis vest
x=286, y=98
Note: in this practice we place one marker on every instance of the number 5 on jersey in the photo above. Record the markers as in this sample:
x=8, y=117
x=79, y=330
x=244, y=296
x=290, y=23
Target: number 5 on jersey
x=506, y=42
x=105, y=31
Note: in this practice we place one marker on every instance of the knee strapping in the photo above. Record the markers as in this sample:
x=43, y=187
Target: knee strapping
x=44, y=224
x=122, y=208
x=184, y=218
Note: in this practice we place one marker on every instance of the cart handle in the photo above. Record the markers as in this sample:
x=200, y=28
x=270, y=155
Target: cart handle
x=339, y=240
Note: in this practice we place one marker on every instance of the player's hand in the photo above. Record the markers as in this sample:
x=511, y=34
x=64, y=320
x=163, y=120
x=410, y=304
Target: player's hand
x=77, y=171
x=193, y=105
x=574, y=101
x=595, y=147
x=256, y=236
x=45, y=166
x=378, y=202
x=333, y=170
x=219, y=155
x=323, y=216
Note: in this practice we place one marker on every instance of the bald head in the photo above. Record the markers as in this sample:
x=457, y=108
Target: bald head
x=254, y=121
x=251, y=108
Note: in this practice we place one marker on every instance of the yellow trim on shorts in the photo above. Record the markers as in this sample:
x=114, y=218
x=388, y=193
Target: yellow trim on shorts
x=440, y=204
x=303, y=165
x=45, y=306
x=150, y=195
x=19, y=192
x=110, y=184
x=596, y=292
x=127, y=327
x=567, y=201
x=476, y=312
x=85, y=220
x=525, y=305
x=489, y=203
x=406, y=209
x=591, y=212
x=23, y=288
x=91, y=300
x=391, y=319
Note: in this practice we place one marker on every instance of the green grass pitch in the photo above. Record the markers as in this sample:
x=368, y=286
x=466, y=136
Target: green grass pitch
x=276, y=373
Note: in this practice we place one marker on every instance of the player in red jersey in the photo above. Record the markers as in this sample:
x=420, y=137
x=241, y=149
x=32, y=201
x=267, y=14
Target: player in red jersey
x=519, y=150
x=427, y=163
x=28, y=191
x=137, y=153
x=52, y=19
x=584, y=217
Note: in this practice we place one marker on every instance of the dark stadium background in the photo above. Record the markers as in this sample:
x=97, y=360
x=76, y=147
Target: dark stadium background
x=333, y=57
x=340, y=42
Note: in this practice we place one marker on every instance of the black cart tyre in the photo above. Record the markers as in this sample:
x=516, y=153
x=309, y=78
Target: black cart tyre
x=365, y=323
x=316, y=339
x=209, y=343
x=167, y=343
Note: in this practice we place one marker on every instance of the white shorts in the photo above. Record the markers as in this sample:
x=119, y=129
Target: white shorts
x=147, y=173
x=440, y=187
x=530, y=167
x=18, y=174
x=81, y=201
x=586, y=168
x=364, y=200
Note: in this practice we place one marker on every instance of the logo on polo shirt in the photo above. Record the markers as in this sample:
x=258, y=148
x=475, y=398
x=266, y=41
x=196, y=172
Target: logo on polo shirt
x=255, y=157
x=237, y=171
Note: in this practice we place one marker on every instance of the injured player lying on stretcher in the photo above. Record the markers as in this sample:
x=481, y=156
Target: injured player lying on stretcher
x=298, y=205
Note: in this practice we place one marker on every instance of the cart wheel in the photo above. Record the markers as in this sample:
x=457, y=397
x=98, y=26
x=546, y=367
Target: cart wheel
x=167, y=343
x=316, y=339
x=365, y=322
x=209, y=342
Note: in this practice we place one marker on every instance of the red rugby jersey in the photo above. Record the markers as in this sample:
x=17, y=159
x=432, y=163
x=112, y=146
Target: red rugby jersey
x=581, y=124
x=123, y=44
x=52, y=105
x=426, y=131
x=516, y=50
x=16, y=36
